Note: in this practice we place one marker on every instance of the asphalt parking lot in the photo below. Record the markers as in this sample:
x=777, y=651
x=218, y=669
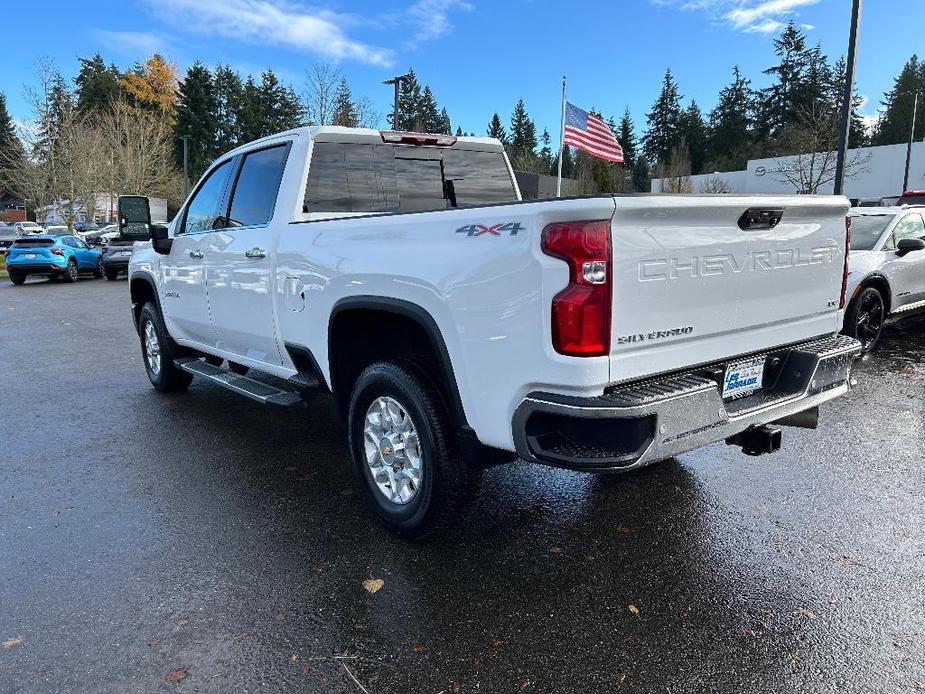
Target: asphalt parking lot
x=200, y=543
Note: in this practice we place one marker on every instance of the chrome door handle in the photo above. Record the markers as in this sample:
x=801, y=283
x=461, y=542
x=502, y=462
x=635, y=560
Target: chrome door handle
x=255, y=253
x=196, y=254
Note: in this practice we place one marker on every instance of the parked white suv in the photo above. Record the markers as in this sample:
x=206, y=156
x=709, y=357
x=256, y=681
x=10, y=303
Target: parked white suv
x=886, y=269
x=457, y=326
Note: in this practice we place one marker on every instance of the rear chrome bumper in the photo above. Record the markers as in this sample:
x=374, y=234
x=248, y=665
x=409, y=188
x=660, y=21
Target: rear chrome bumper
x=635, y=424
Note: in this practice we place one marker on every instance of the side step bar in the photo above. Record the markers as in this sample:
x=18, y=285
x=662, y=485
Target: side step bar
x=242, y=385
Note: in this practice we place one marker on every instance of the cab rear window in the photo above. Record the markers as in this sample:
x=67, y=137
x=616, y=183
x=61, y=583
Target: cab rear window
x=400, y=178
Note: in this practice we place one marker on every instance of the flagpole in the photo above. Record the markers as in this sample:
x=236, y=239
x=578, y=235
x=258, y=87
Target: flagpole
x=561, y=142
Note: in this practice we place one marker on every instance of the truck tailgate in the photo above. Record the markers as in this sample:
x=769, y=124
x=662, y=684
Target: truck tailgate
x=691, y=287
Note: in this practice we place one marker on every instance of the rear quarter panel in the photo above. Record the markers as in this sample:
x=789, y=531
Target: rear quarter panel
x=489, y=294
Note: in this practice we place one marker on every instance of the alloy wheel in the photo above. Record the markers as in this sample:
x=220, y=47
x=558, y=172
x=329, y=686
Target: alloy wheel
x=152, y=349
x=869, y=318
x=392, y=448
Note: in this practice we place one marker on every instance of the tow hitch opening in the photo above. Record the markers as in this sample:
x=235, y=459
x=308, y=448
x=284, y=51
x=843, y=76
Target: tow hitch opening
x=757, y=440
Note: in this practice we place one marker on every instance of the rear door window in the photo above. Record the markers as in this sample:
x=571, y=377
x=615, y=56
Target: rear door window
x=255, y=192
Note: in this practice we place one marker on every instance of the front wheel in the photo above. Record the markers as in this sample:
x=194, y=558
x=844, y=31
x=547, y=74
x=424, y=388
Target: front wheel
x=404, y=450
x=864, y=318
x=156, y=346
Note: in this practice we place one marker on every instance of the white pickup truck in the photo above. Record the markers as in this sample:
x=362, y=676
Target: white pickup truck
x=457, y=326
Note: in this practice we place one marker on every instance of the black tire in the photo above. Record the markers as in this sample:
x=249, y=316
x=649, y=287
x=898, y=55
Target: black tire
x=166, y=378
x=71, y=272
x=447, y=482
x=864, y=318
x=111, y=274
x=99, y=271
x=17, y=278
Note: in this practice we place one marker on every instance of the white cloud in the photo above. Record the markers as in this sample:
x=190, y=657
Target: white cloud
x=273, y=22
x=132, y=42
x=431, y=18
x=750, y=16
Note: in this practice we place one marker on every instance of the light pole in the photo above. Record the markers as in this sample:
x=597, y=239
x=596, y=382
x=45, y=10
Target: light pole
x=185, y=139
x=915, y=107
x=396, y=81
x=848, y=99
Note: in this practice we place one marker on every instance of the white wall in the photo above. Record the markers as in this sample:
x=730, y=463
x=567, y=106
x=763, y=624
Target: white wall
x=882, y=177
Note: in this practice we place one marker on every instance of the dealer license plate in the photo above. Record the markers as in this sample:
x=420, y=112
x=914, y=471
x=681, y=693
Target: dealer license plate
x=30, y=256
x=125, y=253
x=743, y=378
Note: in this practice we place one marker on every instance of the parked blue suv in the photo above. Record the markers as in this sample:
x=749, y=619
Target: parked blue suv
x=62, y=256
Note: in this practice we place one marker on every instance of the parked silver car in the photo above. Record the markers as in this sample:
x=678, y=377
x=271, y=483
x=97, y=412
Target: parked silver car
x=886, y=269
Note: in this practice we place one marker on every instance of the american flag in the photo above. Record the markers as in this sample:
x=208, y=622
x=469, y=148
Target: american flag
x=590, y=133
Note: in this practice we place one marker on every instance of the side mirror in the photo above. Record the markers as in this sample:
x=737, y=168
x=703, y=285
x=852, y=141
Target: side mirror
x=909, y=245
x=134, y=217
x=160, y=239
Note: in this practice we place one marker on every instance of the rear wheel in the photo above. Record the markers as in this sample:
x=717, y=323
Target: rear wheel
x=404, y=450
x=17, y=278
x=99, y=271
x=70, y=272
x=864, y=317
x=157, y=348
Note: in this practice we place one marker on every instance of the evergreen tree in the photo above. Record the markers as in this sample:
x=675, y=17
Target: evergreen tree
x=523, y=131
x=56, y=105
x=344, y=111
x=496, y=130
x=545, y=152
x=428, y=117
x=627, y=136
x=664, y=122
x=896, y=122
x=11, y=149
x=695, y=132
x=281, y=108
x=459, y=131
x=642, y=176
x=409, y=104
x=97, y=86
x=196, y=117
x=781, y=102
x=229, y=101
x=252, y=111
x=731, y=139
x=857, y=134
x=446, y=128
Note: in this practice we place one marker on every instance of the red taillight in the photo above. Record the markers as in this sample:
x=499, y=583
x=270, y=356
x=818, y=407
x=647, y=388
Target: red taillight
x=844, y=276
x=57, y=251
x=581, y=311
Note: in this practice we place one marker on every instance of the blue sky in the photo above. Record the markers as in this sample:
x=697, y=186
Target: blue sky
x=479, y=56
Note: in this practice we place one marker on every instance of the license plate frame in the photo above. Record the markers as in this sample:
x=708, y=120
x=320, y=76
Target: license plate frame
x=743, y=378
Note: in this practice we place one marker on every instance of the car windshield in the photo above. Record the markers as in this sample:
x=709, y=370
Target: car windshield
x=866, y=229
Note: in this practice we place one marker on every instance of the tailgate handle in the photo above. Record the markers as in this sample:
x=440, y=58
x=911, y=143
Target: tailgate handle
x=758, y=218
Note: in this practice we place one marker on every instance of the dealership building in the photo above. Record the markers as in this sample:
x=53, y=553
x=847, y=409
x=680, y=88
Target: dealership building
x=878, y=175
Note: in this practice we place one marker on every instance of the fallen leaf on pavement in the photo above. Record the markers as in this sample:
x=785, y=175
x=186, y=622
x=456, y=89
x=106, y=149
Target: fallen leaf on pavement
x=182, y=622
x=524, y=684
x=497, y=643
x=176, y=675
x=555, y=550
x=12, y=641
x=419, y=648
x=454, y=686
x=476, y=663
x=280, y=616
x=632, y=608
x=622, y=529
x=373, y=585
x=803, y=612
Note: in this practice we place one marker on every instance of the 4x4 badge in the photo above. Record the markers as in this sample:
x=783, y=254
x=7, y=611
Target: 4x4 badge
x=491, y=230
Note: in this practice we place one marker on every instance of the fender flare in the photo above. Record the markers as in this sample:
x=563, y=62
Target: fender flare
x=876, y=277
x=422, y=317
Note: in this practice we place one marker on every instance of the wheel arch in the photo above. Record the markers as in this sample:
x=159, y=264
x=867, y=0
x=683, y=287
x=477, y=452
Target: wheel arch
x=881, y=284
x=408, y=313
x=142, y=288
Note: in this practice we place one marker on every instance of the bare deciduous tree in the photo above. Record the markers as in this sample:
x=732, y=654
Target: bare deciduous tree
x=813, y=141
x=321, y=83
x=675, y=174
x=715, y=185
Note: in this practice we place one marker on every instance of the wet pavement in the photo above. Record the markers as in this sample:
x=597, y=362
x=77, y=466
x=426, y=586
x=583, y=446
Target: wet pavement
x=200, y=543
